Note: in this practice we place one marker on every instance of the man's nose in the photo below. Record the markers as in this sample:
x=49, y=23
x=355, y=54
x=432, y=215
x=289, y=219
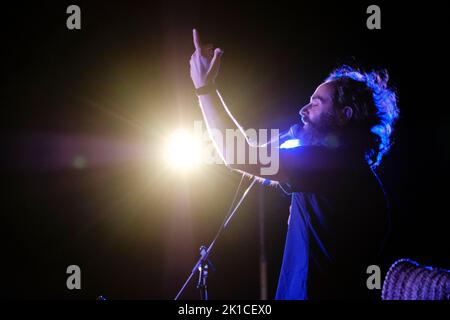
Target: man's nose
x=304, y=110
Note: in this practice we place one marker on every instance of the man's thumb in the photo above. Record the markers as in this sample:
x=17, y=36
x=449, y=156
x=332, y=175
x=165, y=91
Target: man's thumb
x=218, y=52
x=215, y=62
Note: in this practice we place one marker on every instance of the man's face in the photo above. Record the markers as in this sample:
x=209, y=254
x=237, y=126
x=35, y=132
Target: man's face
x=319, y=116
x=321, y=102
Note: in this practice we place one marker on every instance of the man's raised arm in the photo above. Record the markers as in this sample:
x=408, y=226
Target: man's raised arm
x=205, y=64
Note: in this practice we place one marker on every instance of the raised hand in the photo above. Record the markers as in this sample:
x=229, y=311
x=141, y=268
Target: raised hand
x=205, y=62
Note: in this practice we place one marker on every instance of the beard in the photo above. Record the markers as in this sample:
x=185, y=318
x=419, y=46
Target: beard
x=316, y=133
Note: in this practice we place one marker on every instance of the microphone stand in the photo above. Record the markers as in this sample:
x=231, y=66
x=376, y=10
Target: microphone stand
x=204, y=264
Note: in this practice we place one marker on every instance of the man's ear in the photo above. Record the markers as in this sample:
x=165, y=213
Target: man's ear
x=346, y=114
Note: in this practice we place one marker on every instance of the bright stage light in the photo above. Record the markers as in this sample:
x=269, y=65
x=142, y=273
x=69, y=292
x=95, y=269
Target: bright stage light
x=183, y=150
x=289, y=144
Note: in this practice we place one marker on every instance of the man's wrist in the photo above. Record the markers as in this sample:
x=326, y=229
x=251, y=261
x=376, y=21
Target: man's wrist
x=206, y=89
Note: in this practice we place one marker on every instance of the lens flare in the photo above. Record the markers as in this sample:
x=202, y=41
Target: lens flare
x=183, y=151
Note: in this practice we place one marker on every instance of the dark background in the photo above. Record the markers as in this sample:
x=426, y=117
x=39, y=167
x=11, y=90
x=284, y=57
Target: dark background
x=108, y=94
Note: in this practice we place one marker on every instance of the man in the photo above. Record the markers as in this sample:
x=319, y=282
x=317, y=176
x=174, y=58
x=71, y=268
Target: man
x=339, y=212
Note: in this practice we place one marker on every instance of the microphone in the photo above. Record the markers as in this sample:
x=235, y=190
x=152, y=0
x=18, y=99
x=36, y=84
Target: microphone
x=292, y=133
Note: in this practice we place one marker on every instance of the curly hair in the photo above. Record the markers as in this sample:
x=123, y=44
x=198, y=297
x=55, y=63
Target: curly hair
x=374, y=106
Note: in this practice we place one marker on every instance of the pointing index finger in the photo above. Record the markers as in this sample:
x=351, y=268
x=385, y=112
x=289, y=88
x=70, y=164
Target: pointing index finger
x=196, y=38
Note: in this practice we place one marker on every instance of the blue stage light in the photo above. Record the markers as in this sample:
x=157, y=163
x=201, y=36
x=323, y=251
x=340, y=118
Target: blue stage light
x=291, y=143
